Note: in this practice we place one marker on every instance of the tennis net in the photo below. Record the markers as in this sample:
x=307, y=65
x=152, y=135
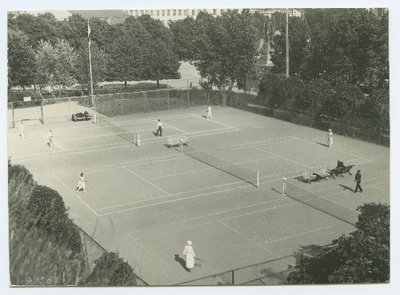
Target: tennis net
x=252, y=177
x=320, y=203
x=121, y=132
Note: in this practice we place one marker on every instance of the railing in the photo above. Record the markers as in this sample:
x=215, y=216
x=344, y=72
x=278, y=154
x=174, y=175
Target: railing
x=93, y=250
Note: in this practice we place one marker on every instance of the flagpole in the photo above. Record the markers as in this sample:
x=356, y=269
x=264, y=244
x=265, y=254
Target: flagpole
x=287, y=43
x=91, y=78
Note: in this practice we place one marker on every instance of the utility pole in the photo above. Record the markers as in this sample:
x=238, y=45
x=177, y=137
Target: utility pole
x=287, y=44
x=91, y=77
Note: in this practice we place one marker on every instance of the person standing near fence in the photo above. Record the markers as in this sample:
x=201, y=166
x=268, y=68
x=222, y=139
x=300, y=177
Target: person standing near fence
x=189, y=254
x=159, y=128
x=330, y=138
x=209, y=114
x=50, y=138
x=358, y=181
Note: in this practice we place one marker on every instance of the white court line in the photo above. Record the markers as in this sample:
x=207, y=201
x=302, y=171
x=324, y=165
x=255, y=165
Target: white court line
x=212, y=120
x=303, y=233
x=180, y=130
x=130, y=171
x=58, y=145
x=210, y=168
x=240, y=234
x=156, y=257
x=221, y=212
x=282, y=157
x=184, y=198
x=332, y=149
x=94, y=212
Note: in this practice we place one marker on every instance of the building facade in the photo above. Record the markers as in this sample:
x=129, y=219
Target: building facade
x=165, y=15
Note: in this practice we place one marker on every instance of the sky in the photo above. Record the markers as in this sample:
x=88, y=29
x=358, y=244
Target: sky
x=394, y=18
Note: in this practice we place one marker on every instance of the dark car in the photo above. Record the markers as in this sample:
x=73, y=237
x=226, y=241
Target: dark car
x=81, y=117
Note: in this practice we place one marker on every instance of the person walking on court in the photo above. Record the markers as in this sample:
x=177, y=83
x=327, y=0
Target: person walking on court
x=159, y=128
x=22, y=133
x=50, y=138
x=330, y=138
x=358, y=181
x=188, y=252
x=209, y=114
x=81, y=184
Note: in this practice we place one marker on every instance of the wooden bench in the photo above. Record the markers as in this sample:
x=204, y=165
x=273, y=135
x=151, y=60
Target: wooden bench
x=174, y=141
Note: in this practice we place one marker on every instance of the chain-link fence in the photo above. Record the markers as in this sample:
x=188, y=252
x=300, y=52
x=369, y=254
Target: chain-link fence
x=371, y=127
x=93, y=251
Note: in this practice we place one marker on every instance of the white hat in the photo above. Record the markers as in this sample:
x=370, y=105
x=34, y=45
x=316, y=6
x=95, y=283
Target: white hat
x=189, y=243
x=329, y=130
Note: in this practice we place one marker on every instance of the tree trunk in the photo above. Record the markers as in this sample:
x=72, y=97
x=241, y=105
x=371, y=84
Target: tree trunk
x=158, y=83
x=126, y=84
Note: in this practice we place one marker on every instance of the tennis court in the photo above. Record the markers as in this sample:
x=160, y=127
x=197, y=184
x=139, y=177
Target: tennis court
x=146, y=202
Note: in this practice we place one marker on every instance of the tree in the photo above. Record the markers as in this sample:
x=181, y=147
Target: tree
x=361, y=257
x=225, y=49
x=161, y=61
x=111, y=270
x=128, y=51
x=21, y=60
x=299, y=38
x=183, y=34
x=100, y=62
x=43, y=27
x=56, y=65
x=272, y=90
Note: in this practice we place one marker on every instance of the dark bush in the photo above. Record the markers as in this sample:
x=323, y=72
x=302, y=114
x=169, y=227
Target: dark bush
x=47, y=212
x=111, y=270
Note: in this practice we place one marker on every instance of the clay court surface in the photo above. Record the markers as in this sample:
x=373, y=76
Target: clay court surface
x=146, y=202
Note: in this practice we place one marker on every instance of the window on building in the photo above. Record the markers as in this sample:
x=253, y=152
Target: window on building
x=174, y=12
x=185, y=12
x=168, y=12
x=179, y=12
x=193, y=11
x=158, y=13
x=163, y=12
x=214, y=11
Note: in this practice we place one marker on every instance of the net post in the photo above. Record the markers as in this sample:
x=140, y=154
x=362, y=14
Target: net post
x=284, y=180
x=258, y=178
x=181, y=141
x=13, y=114
x=138, y=140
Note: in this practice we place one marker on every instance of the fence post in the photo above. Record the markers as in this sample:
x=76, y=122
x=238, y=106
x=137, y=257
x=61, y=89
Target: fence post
x=41, y=111
x=122, y=104
x=188, y=92
x=145, y=101
x=13, y=116
x=167, y=96
x=69, y=108
x=233, y=277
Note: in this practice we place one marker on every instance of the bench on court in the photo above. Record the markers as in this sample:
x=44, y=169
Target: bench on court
x=177, y=140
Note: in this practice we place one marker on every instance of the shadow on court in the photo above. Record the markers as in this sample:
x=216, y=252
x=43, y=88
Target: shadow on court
x=181, y=261
x=345, y=187
x=323, y=144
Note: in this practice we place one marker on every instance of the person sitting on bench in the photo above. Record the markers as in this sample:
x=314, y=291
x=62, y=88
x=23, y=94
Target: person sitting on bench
x=340, y=165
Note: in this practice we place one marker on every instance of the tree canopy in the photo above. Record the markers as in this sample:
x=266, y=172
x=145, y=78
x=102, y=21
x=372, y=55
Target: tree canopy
x=361, y=257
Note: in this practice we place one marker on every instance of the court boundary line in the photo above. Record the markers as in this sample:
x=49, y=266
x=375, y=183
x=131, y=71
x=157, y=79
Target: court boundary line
x=152, y=184
x=172, y=157
x=286, y=203
x=304, y=233
x=212, y=120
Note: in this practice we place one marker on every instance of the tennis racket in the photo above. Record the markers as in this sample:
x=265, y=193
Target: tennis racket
x=199, y=262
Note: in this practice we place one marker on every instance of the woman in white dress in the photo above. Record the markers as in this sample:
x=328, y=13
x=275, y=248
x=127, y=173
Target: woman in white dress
x=188, y=252
x=81, y=184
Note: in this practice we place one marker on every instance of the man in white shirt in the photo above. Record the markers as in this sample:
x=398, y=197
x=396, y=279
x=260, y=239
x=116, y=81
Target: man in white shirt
x=50, y=137
x=159, y=128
